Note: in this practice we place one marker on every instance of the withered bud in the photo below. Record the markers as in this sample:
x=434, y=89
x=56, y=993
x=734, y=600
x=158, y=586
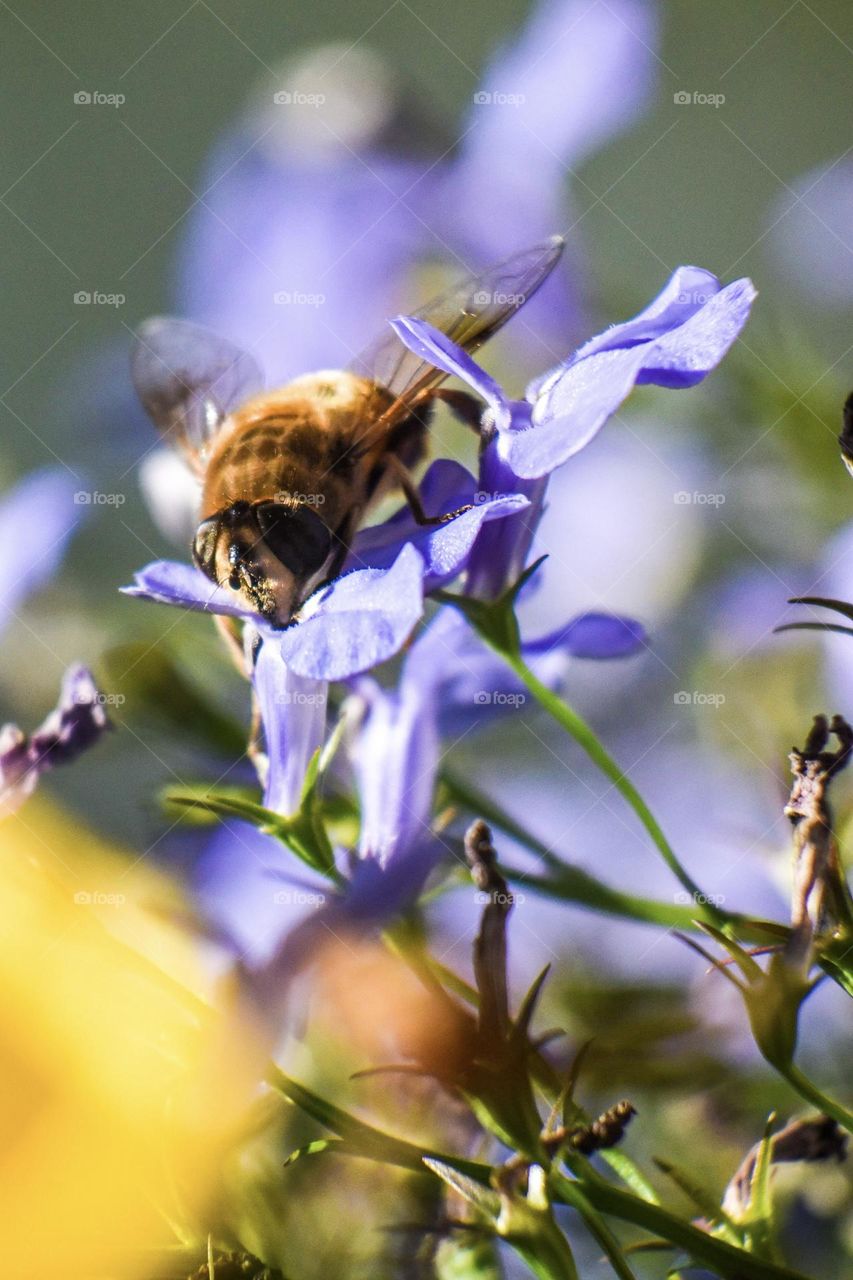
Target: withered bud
x=816, y=1139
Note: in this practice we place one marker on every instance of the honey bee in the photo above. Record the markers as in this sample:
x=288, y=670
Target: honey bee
x=288, y=475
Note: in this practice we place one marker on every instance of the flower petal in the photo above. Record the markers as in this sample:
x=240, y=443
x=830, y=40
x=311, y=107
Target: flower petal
x=437, y=349
x=362, y=619
x=293, y=713
x=675, y=343
x=592, y=635
x=445, y=548
x=170, y=582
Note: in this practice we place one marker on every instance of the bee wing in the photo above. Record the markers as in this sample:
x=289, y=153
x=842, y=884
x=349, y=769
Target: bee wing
x=469, y=313
x=188, y=380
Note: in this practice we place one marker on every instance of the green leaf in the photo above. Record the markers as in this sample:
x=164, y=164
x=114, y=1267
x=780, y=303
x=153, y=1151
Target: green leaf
x=759, y=1217
x=303, y=833
x=483, y=1198
x=630, y=1174
x=494, y=620
x=824, y=602
x=320, y=1146
x=814, y=626
x=720, y=1257
x=704, y=1201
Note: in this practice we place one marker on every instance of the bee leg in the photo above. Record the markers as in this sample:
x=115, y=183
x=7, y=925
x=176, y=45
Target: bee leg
x=463, y=405
x=229, y=629
x=413, y=498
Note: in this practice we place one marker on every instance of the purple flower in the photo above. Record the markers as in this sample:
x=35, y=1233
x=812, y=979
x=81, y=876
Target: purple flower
x=314, y=215
x=675, y=342
x=75, y=724
x=355, y=623
x=449, y=684
x=36, y=520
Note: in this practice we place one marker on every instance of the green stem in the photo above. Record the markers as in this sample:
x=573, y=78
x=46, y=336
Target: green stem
x=577, y=727
x=807, y=1089
x=568, y=883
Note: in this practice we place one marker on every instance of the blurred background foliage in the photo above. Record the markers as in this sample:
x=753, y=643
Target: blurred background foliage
x=100, y=199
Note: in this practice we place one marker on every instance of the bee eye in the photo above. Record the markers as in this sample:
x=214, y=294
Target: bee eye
x=295, y=535
x=204, y=546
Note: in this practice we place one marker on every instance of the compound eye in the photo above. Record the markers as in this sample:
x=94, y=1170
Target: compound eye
x=295, y=535
x=204, y=546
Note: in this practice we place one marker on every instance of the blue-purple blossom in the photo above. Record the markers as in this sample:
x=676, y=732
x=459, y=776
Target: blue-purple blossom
x=449, y=684
x=322, y=211
x=674, y=342
x=355, y=623
x=77, y=722
x=37, y=518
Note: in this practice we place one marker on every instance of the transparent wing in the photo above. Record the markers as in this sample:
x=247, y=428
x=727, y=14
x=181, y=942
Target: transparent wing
x=469, y=313
x=188, y=380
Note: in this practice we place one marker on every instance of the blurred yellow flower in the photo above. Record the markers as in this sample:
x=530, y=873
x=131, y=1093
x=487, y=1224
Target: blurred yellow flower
x=119, y=1080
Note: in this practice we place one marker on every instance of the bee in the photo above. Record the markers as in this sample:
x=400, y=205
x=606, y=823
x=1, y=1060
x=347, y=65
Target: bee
x=287, y=476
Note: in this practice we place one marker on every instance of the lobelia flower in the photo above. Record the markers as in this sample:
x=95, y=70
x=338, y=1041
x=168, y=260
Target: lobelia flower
x=675, y=342
x=365, y=616
x=359, y=620
x=42, y=504
x=326, y=207
x=450, y=684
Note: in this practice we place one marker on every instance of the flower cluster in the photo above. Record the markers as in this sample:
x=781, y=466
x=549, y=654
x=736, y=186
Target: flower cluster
x=371, y=611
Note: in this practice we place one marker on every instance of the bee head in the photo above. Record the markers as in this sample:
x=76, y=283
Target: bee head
x=270, y=554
